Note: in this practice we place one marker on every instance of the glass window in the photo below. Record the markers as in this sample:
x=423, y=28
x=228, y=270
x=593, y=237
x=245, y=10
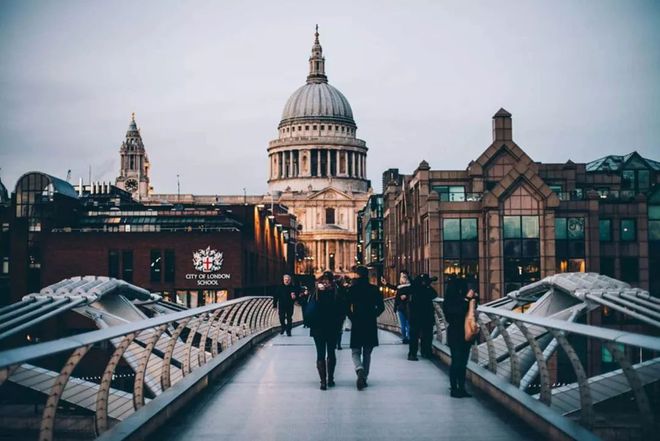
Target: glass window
x=451, y=229
x=605, y=230
x=630, y=269
x=607, y=266
x=5, y=265
x=511, y=225
x=628, y=180
x=530, y=226
x=557, y=188
x=127, y=265
x=329, y=215
x=113, y=263
x=450, y=193
x=156, y=265
x=628, y=230
x=643, y=180
x=654, y=212
x=654, y=230
x=560, y=228
x=468, y=229
x=575, y=228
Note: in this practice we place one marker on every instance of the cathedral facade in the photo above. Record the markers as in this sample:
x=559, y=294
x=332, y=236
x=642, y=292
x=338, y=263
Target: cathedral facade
x=318, y=169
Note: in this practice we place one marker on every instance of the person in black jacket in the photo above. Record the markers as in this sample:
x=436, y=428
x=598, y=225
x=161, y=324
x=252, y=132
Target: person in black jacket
x=402, y=305
x=455, y=307
x=327, y=316
x=365, y=304
x=422, y=317
x=285, y=296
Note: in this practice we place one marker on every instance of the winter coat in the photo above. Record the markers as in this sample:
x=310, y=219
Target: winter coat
x=455, y=308
x=365, y=304
x=403, y=305
x=329, y=314
x=282, y=296
x=421, y=304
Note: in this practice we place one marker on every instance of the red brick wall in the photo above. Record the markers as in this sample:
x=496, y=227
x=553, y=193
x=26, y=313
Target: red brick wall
x=78, y=254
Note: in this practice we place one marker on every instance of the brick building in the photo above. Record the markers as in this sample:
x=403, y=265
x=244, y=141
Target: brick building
x=506, y=221
x=194, y=255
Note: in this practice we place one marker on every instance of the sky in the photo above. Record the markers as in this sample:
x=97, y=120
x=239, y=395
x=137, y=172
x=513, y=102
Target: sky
x=208, y=81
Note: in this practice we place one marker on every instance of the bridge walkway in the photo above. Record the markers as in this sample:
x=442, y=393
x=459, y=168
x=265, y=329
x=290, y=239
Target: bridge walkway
x=274, y=395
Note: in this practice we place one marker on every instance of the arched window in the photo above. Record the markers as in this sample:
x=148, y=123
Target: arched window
x=329, y=215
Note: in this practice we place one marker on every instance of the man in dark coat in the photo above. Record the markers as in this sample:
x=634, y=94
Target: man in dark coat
x=365, y=304
x=422, y=316
x=285, y=296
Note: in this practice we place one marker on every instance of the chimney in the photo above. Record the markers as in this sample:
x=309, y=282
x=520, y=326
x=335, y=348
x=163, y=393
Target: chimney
x=502, y=126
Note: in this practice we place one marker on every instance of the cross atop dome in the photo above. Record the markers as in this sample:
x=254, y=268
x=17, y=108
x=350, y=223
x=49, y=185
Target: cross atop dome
x=317, y=62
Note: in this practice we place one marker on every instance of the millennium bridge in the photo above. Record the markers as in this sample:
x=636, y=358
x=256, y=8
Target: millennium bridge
x=543, y=368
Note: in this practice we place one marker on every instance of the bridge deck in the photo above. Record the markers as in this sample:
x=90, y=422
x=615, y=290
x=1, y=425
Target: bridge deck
x=275, y=396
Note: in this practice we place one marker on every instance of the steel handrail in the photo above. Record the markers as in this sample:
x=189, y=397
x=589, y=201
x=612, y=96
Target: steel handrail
x=614, y=335
x=24, y=354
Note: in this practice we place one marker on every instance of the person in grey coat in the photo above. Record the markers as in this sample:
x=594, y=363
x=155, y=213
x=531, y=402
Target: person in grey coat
x=365, y=304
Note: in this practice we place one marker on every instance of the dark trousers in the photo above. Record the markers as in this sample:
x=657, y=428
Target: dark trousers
x=460, y=353
x=286, y=317
x=421, y=331
x=340, y=333
x=325, y=347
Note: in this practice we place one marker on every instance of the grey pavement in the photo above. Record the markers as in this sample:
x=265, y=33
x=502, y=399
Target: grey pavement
x=274, y=395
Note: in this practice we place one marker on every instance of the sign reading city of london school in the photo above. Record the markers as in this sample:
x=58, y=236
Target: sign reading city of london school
x=208, y=263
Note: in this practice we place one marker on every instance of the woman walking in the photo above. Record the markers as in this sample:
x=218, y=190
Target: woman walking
x=455, y=307
x=324, y=322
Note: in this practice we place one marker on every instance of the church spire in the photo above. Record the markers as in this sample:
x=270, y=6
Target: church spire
x=317, y=62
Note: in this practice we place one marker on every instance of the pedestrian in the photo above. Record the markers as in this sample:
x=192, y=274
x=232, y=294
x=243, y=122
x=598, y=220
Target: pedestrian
x=326, y=319
x=365, y=304
x=342, y=293
x=458, y=296
x=285, y=296
x=422, y=317
x=402, y=305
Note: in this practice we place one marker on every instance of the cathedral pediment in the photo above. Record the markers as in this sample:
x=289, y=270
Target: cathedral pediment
x=330, y=193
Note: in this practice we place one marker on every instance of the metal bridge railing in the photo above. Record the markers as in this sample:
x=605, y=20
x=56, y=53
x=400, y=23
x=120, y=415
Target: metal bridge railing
x=94, y=380
x=574, y=369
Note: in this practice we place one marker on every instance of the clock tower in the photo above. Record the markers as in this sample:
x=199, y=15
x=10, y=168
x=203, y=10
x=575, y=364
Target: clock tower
x=134, y=169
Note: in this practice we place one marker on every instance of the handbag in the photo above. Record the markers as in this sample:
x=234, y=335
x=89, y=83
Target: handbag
x=311, y=311
x=471, y=327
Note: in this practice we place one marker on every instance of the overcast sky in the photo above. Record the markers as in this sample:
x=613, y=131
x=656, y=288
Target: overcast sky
x=208, y=82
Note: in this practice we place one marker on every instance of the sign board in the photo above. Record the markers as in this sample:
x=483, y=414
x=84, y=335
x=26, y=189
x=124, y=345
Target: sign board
x=208, y=264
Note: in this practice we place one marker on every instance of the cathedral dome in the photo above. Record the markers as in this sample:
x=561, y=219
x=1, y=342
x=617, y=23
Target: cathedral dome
x=317, y=100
